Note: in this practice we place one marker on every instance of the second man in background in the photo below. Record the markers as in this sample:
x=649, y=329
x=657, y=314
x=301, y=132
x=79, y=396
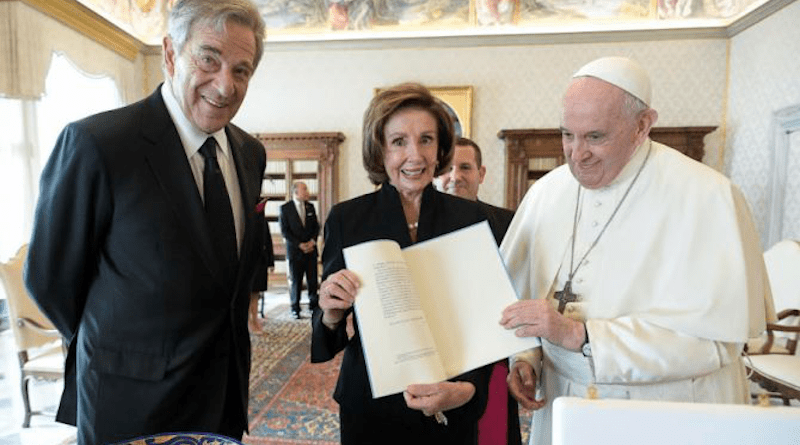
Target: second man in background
x=300, y=229
x=464, y=178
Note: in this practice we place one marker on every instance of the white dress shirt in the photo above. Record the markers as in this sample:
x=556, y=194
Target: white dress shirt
x=192, y=139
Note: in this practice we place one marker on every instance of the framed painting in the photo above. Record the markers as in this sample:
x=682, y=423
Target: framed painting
x=459, y=104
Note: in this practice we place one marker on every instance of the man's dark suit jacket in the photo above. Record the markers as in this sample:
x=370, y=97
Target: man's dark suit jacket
x=121, y=260
x=379, y=215
x=499, y=219
x=267, y=260
x=295, y=232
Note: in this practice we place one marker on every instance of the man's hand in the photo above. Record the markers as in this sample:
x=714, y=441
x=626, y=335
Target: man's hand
x=538, y=318
x=308, y=246
x=522, y=385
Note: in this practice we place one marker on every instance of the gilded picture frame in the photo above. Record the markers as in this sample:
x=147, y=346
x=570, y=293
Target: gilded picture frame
x=459, y=101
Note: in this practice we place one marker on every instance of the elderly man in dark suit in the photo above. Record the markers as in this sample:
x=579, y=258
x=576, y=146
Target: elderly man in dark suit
x=145, y=241
x=300, y=229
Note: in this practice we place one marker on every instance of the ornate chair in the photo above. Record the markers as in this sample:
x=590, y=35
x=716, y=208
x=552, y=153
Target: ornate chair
x=773, y=362
x=40, y=347
x=778, y=372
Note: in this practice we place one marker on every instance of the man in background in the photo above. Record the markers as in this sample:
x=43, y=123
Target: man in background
x=145, y=241
x=500, y=421
x=464, y=178
x=300, y=229
x=638, y=268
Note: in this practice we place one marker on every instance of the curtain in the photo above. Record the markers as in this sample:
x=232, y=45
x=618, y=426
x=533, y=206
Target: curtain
x=30, y=129
x=28, y=39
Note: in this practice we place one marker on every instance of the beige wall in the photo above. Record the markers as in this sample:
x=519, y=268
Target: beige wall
x=734, y=84
x=765, y=77
x=152, y=72
x=514, y=87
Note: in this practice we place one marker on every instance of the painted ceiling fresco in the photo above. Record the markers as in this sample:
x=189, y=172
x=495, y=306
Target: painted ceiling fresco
x=146, y=19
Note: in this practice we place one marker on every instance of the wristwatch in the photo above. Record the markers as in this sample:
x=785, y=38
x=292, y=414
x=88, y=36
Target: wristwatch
x=586, y=349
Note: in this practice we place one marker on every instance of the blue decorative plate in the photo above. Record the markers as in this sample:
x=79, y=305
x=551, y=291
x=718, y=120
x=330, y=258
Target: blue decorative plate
x=182, y=439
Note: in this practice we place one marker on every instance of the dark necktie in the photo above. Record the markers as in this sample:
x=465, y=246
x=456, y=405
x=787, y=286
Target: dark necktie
x=218, y=211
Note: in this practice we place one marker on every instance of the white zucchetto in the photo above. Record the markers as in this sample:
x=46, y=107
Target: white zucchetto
x=622, y=72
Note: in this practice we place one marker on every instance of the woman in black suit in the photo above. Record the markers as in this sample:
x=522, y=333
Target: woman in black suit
x=407, y=140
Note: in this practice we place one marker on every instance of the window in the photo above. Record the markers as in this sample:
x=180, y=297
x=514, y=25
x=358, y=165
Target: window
x=783, y=202
x=14, y=178
x=29, y=132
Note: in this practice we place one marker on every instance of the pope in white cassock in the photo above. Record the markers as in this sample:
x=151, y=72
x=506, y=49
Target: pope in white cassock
x=638, y=268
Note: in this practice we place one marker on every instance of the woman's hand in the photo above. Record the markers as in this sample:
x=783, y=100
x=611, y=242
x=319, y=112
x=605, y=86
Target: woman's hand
x=438, y=397
x=336, y=295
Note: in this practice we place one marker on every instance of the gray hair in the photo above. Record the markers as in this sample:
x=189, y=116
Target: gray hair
x=187, y=13
x=295, y=185
x=632, y=105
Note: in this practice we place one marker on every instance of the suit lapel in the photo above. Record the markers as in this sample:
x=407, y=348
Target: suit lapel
x=245, y=170
x=171, y=168
x=168, y=161
x=392, y=213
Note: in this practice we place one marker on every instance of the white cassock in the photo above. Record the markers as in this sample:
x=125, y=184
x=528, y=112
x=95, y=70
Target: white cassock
x=670, y=293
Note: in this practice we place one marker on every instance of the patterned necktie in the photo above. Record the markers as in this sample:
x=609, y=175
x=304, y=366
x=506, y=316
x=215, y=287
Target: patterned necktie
x=218, y=211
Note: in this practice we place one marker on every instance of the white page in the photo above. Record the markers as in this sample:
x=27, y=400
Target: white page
x=398, y=346
x=659, y=422
x=465, y=288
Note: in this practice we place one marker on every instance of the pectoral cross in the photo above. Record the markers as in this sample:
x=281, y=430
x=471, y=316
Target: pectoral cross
x=565, y=296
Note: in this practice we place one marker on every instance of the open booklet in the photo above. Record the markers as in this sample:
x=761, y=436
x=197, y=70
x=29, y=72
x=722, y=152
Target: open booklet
x=431, y=311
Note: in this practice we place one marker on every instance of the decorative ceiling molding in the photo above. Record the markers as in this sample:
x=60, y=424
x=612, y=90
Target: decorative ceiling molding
x=756, y=15
x=85, y=20
x=82, y=19
x=606, y=32
x=516, y=36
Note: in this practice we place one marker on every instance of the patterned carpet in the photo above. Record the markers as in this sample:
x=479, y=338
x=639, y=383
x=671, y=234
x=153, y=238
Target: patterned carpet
x=291, y=399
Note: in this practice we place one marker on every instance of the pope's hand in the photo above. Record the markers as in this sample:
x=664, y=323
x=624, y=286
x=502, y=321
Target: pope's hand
x=438, y=397
x=522, y=385
x=336, y=295
x=538, y=318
